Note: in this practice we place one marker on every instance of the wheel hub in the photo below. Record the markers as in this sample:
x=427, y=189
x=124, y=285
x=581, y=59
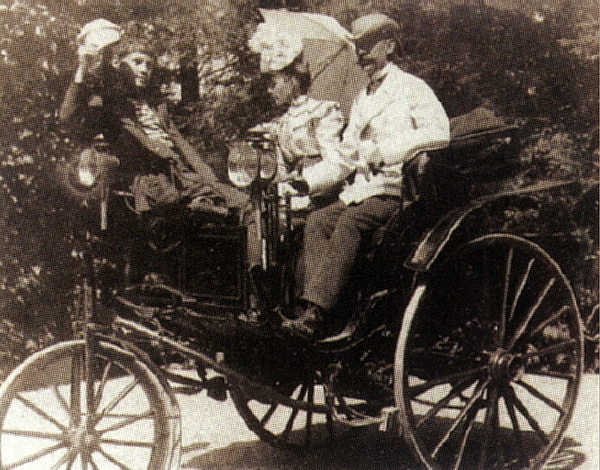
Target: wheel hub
x=506, y=366
x=82, y=439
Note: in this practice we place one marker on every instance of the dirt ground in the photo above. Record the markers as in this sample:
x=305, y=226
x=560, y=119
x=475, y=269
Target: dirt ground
x=215, y=437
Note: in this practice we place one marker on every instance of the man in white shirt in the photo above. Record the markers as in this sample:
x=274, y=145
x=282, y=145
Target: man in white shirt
x=394, y=119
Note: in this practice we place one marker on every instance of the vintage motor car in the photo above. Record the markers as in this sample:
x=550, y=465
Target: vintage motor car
x=457, y=323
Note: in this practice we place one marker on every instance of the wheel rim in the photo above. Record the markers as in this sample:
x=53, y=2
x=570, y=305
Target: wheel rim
x=52, y=417
x=489, y=358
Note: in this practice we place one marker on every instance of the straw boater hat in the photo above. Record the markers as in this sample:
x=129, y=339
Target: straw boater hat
x=374, y=27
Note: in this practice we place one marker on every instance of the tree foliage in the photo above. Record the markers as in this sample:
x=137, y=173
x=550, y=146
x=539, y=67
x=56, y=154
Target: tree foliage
x=528, y=63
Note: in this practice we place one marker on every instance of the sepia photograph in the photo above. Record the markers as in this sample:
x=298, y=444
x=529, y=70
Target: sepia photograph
x=299, y=235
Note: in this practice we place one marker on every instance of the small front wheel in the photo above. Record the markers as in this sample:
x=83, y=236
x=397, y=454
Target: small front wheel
x=489, y=358
x=61, y=410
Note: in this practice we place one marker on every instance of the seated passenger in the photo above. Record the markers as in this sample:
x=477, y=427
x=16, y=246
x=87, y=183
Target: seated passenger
x=394, y=119
x=114, y=94
x=307, y=135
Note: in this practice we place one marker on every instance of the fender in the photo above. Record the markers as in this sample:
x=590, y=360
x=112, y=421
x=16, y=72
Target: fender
x=434, y=241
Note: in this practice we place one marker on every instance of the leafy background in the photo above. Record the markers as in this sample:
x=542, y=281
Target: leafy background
x=534, y=62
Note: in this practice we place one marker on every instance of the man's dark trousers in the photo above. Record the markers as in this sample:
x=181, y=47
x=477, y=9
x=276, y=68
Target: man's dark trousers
x=332, y=239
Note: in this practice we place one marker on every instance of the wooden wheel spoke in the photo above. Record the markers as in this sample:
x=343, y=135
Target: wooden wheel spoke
x=126, y=422
x=452, y=394
x=471, y=374
x=33, y=457
x=520, y=288
x=568, y=376
x=465, y=438
x=555, y=348
x=71, y=462
x=40, y=412
x=309, y=415
x=112, y=460
x=72, y=457
x=551, y=319
x=267, y=416
x=540, y=396
x=34, y=434
x=329, y=420
x=85, y=459
x=100, y=391
x=116, y=400
x=525, y=323
x=289, y=425
x=507, y=276
x=64, y=459
x=290, y=422
x=530, y=419
x=94, y=464
x=75, y=398
x=491, y=416
x=473, y=400
x=121, y=442
x=61, y=400
x=515, y=425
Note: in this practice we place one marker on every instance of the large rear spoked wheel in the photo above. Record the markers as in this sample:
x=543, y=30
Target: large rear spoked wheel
x=63, y=410
x=489, y=358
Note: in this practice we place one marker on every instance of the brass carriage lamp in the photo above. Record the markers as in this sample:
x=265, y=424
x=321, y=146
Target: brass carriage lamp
x=251, y=160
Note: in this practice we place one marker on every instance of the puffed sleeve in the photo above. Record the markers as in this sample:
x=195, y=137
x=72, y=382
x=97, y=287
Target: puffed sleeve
x=332, y=168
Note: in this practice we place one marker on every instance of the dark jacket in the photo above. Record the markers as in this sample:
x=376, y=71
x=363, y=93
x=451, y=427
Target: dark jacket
x=89, y=114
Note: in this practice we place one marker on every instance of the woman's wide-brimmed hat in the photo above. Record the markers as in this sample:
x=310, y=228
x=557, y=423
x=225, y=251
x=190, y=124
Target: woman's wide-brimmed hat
x=277, y=48
x=316, y=44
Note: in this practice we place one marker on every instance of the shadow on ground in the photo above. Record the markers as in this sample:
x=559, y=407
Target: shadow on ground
x=359, y=450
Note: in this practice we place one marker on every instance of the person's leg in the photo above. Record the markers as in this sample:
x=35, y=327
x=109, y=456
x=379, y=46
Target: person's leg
x=320, y=224
x=335, y=262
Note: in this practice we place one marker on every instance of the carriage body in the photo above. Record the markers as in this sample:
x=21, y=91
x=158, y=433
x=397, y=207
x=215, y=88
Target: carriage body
x=455, y=323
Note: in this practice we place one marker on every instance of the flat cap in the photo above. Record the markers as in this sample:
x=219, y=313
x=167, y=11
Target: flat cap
x=374, y=25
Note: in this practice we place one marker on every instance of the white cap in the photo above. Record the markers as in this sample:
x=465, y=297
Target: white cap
x=98, y=34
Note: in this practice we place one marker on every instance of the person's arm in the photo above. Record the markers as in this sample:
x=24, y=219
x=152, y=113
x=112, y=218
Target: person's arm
x=190, y=155
x=430, y=130
x=77, y=94
x=72, y=101
x=332, y=168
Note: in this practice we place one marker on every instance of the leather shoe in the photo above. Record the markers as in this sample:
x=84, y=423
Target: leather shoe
x=308, y=325
x=254, y=317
